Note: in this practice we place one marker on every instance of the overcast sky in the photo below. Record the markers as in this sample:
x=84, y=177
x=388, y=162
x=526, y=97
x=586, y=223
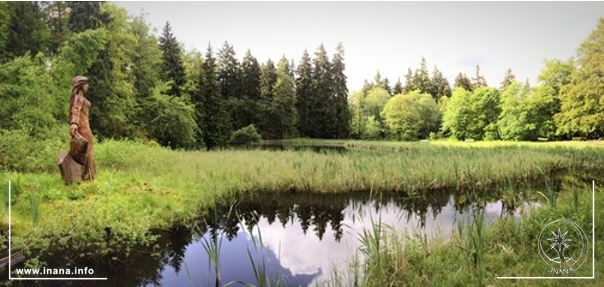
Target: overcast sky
x=388, y=36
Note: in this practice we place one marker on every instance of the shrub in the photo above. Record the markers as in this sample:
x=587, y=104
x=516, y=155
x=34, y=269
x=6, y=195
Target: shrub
x=245, y=136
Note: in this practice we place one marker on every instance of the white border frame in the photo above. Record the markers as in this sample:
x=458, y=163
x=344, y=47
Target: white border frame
x=10, y=254
x=593, y=248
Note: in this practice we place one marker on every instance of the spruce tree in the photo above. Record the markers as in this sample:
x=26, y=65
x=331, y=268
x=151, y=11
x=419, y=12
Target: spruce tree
x=57, y=13
x=508, y=79
x=145, y=56
x=386, y=85
x=304, y=95
x=439, y=85
x=462, y=81
x=282, y=108
x=398, y=87
x=27, y=31
x=409, y=84
x=268, y=77
x=214, y=120
x=172, y=66
x=229, y=76
x=324, y=112
x=478, y=81
x=421, y=78
x=250, y=90
x=86, y=15
x=340, y=90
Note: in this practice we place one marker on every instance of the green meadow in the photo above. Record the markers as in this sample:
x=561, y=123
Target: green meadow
x=143, y=187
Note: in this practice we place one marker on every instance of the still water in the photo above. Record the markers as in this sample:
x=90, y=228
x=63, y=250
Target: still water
x=299, y=238
x=296, y=238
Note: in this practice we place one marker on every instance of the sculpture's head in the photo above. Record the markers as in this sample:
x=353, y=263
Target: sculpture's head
x=80, y=82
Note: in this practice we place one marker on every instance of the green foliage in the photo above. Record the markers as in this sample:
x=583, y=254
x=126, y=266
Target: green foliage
x=172, y=66
x=420, y=80
x=245, y=136
x=5, y=18
x=514, y=120
x=27, y=31
x=28, y=98
x=22, y=151
x=342, y=120
x=439, y=85
x=169, y=119
x=411, y=116
x=86, y=15
x=472, y=115
x=323, y=112
x=582, y=100
x=145, y=56
x=249, y=108
x=304, y=95
x=280, y=110
x=556, y=74
x=462, y=81
x=372, y=105
x=372, y=128
x=212, y=115
x=77, y=56
x=57, y=14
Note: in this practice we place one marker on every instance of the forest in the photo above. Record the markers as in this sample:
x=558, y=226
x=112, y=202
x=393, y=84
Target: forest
x=419, y=182
x=148, y=87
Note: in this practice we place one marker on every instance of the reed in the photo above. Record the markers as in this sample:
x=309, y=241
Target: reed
x=143, y=187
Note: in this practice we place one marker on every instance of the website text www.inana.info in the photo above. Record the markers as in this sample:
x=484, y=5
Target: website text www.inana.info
x=75, y=271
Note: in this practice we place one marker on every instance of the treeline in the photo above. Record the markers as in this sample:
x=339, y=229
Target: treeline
x=149, y=87
x=567, y=102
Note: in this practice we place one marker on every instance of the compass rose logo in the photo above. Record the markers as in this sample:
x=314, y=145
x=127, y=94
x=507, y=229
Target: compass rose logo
x=563, y=246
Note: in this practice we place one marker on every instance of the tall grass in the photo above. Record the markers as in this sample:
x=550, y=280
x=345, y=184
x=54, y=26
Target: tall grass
x=477, y=253
x=141, y=187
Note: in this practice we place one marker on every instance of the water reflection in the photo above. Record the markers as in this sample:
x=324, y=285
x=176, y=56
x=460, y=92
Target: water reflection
x=295, y=237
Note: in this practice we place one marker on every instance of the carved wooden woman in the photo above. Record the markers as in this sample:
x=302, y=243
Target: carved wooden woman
x=78, y=164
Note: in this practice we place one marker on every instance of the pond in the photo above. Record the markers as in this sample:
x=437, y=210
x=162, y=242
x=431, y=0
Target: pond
x=297, y=238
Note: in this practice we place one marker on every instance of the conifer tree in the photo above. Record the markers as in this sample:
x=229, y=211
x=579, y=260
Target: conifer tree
x=340, y=90
x=386, y=86
x=462, y=81
x=421, y=78
x=398, y=87
x=508, y=79
x=281, y=111
x=229, y=76
x=409, y=84
x=214, y=121
x=172, y=66
x=145, y=56
x=86, y=15
x=250, y=90
x=478, y=81
x=268, y=78
x=57, y=13
x=439, y=86
x=27, y=31
x=324, y=113
x=304, y=94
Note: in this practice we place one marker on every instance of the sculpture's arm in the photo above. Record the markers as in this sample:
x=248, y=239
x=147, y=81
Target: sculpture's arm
x=76, y=108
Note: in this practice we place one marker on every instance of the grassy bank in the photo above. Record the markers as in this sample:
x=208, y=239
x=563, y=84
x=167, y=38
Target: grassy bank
x=476, y=254
x=141, y=187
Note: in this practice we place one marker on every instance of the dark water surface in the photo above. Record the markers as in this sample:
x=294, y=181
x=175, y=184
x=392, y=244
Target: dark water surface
x=301, y=237
x=295, y=237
